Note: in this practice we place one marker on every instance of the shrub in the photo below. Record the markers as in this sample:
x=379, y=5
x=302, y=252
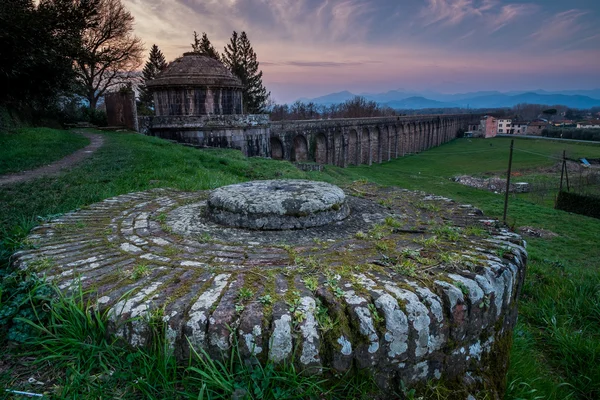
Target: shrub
x=578, y=204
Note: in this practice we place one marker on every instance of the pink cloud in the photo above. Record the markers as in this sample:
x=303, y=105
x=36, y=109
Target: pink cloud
x=563, y=26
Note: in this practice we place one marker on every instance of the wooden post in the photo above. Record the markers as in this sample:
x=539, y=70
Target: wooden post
x=567, y=176
x=508, y=179
x=562, y=171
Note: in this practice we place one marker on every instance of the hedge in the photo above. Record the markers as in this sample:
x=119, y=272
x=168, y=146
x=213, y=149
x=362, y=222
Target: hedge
x=578, y=204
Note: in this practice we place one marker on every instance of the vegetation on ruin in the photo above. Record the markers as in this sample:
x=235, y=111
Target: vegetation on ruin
x=556, y=346
x=30, y=148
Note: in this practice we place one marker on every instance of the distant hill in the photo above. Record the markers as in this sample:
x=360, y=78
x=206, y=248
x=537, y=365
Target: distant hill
x=333, y=98
x=418, y=103
x=502, y=100
x=401, y=99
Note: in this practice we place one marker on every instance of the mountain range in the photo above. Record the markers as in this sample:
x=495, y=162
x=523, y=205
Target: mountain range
x=402, y=99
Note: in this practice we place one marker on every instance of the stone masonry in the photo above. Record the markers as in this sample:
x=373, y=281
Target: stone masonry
x=410, y=287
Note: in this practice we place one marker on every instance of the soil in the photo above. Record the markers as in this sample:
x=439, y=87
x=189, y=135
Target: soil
x=96, y=141
x=536, y=232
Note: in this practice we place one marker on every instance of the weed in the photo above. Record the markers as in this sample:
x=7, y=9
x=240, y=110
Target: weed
x=432, y=241
x=266, y=300
x=323, y=319
x=463, y=288
x=204, y=237
x=311, y=283
x=375, y=314
x=388, y=203
x=382, y=246
x=476, y=231
x=448, y=232
x=502, y=251
x=161, y=218
x=361, y=235
x=407, y=268
x=139, y=271
x=245, y=294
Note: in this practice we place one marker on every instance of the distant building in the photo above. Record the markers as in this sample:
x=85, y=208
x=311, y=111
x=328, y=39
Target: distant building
x=564, y=122
x=595, y=124
x=519, y=127
x=489, y=126
x=504, y=125
x=535, y=128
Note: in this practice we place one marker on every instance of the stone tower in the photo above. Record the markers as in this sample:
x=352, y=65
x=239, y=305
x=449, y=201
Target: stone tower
x=199, y=101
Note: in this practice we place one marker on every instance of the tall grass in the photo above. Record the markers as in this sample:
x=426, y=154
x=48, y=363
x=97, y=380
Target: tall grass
x=74, y=343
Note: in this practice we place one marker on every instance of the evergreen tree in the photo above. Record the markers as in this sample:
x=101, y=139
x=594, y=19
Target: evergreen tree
x=156, y=63
x=240, y=58
x=204, y=46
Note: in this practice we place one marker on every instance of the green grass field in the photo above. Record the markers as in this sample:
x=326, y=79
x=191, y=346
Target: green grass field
x=30, y=148
x=556, y=351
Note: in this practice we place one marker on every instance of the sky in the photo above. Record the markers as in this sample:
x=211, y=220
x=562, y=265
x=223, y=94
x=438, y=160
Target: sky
x=308, y=48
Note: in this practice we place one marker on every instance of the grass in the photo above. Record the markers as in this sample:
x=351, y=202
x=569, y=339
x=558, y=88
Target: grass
x=556, y=351
x=30, y=148
x=131, y=162
x=73, y=352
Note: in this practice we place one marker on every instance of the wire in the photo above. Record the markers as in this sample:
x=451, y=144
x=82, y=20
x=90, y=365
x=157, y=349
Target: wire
x=539, y=154
x=458, y=152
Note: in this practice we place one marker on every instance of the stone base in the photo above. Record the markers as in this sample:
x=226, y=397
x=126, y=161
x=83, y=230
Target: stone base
x=277, y=204
x=411, y=288
x=247, y=133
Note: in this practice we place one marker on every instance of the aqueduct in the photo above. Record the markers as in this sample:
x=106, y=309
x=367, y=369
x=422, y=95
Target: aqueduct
x=199, y=102
x=355, y=141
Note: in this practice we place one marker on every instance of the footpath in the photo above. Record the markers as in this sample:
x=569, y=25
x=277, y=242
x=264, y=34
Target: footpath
x=96, y=141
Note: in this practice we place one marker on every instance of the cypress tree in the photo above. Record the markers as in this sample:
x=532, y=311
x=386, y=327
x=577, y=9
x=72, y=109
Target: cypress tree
x=240, y=58
x=204, y=46
x=155, y=64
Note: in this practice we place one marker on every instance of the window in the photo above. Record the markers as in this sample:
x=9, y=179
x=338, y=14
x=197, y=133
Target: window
x=500, y=125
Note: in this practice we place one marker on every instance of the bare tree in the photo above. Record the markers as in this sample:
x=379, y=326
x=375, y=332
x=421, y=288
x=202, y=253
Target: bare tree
x=110, y=53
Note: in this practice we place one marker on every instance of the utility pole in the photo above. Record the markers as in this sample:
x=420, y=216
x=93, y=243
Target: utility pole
x=512, y=142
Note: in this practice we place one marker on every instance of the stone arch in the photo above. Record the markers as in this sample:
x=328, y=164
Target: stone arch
x=299, y=149
x=366, y=147
x=276, y=149
x=321, y=149
x=353, y=153
x=338, y=149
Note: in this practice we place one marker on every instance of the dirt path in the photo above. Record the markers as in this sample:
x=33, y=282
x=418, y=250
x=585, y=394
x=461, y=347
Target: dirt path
x=96, y=141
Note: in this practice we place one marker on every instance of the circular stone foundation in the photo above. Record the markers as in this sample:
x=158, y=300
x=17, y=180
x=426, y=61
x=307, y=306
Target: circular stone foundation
x=409, y=287
x=278, y=205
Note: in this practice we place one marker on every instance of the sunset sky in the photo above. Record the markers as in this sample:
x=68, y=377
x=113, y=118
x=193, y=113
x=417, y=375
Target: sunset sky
x=309, y=48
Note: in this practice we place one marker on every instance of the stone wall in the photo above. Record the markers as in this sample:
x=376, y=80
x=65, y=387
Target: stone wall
x=198, y=101
x=121, y=109
x=247, y=133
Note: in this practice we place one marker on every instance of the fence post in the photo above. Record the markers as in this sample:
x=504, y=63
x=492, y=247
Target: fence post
x=567, y=175
x=562, y=171
x=512, y=142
